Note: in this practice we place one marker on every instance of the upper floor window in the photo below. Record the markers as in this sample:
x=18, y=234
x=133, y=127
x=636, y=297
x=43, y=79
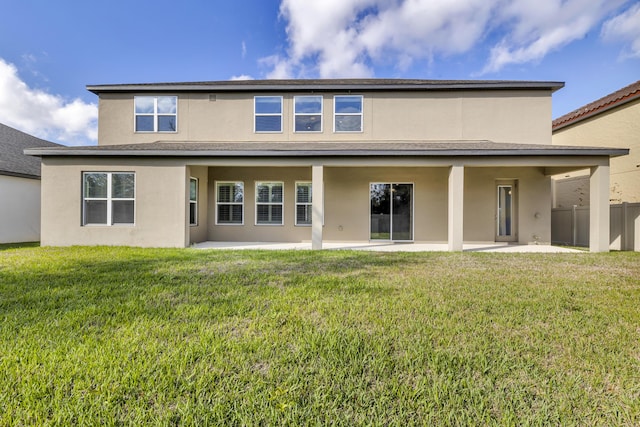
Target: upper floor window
x=347, y=113
x=268, y=113
x=108, y=198
x=307, y=113
x=156, y=113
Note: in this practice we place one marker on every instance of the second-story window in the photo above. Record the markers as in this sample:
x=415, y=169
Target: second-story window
x=347, y=113
x=156, y=113
x=308, y=113
x=268, y=113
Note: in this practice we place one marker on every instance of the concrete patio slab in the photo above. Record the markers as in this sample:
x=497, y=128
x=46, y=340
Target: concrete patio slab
x=387, y=247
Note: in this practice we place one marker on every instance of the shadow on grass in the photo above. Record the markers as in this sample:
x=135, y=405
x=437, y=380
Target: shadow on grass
x=5, y=246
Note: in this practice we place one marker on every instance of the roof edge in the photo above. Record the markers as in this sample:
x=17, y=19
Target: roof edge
x=326, y=85
x=565, y=151
x=608, y=102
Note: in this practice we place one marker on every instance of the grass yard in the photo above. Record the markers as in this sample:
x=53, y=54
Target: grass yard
x=122, y=336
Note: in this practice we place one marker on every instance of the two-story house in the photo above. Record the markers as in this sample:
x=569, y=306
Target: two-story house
x=317, y=160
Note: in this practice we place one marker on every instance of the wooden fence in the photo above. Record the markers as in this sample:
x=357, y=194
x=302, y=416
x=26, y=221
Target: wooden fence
x=570, y=226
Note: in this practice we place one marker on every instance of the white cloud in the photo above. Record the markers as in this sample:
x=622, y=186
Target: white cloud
x=244, y=49
x=626, y=27
x=344, y=38
x=534, y=28
x=242, y=77
x=45, y=115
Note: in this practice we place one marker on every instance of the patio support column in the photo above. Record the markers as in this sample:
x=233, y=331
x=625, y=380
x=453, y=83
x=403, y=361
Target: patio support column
x=599, y=209
x=317, y=205
x=455, y=214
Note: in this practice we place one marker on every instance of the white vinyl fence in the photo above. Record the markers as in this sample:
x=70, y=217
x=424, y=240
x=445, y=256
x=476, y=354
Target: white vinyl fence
x=570, y=226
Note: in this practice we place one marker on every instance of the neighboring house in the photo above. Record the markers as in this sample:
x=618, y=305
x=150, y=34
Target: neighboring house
x=611, y=121
x=317, y=160
x=19, y=186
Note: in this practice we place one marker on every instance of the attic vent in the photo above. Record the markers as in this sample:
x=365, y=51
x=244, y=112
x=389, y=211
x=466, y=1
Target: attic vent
x=212, y=98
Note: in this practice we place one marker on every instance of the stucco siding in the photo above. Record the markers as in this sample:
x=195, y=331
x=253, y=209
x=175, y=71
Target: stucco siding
x=618, y=127
x=532, y=204
x=160, y=204
x=347, y=203
x=19, y=209
x=515, y=116
x=199, y=232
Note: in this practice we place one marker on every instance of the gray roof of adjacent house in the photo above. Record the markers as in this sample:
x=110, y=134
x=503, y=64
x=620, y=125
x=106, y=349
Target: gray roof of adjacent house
x=328, y=149
x=13, y=161
x=319, y=85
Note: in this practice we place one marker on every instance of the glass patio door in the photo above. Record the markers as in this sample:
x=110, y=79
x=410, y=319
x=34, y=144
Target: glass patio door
x=391, y=211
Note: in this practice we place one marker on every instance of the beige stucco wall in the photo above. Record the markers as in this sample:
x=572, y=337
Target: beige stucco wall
x=199, y=233
x=347, y=203
x=500, y=116
x=19, y=209
x=618, y=128
x=161, y=216
x=533, y=203
x=160, y=203
x=250, y=232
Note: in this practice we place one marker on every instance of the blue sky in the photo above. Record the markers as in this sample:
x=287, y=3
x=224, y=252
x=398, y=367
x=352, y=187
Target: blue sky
x=50, y=50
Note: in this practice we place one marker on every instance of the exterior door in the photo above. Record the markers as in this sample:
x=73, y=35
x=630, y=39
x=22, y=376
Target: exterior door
x=506, y=225
x=391, y=210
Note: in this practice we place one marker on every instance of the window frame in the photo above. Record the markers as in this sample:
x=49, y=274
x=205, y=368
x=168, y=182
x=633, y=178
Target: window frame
x=256, y=114
x=320, y=114
x=109, y=199
x=309, y=204
x=269, y=203
x=336, y=114
x=218, y=203
x=193, y=202
x=155, y=114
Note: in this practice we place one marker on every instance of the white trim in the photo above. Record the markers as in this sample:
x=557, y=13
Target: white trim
x=217, y=183
x=155, y=114
x=413, y=204
x=257, y=183
x=281, y=114
x=361, y=114
x=321, y=114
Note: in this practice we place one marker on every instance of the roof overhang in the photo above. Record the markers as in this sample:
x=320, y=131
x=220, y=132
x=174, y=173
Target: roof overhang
x=326, y=149
x=320, y=85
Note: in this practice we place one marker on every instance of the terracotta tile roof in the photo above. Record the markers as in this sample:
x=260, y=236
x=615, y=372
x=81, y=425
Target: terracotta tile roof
x=619, y=97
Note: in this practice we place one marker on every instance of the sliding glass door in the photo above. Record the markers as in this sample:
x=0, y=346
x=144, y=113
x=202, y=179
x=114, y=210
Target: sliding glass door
x=391, y=211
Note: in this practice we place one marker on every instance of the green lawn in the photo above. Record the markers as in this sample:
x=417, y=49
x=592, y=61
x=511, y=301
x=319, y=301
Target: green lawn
x=121, y=336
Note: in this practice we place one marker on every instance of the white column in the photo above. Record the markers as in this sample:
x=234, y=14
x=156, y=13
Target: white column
x=456, y=201
x=599, y=209
x=317, y=205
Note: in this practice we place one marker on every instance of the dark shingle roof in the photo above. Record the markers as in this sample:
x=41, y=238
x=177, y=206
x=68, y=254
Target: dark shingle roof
x=13, y=161
x=617, y=98
x=328, y=149
x=326, y=85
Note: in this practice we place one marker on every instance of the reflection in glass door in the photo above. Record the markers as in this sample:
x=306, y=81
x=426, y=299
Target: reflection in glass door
x=391, y=211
